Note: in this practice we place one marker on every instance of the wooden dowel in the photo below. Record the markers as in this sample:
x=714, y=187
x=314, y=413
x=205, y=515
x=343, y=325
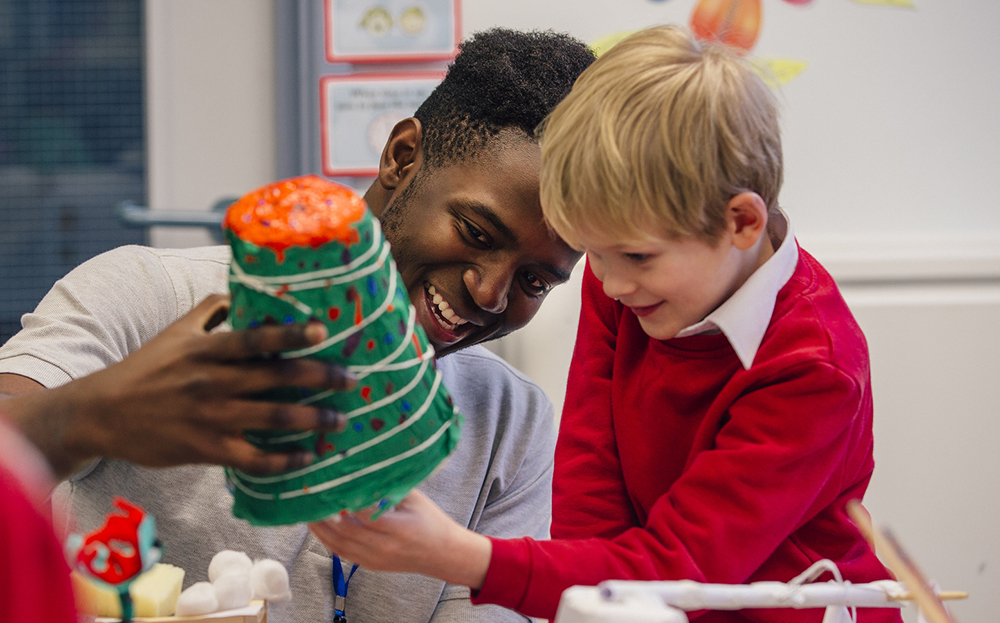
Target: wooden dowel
x=904, y=568
x=943, y=596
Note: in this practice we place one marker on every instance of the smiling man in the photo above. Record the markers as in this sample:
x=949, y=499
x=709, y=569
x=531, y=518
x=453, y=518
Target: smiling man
x=468, y=236
x=457, y=195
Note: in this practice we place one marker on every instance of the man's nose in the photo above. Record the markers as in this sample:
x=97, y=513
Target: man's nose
x=489, y=287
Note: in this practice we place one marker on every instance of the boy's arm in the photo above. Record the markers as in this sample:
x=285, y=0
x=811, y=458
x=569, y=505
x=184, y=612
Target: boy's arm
x=773, y=470
x=588, y=493
x=779, y=461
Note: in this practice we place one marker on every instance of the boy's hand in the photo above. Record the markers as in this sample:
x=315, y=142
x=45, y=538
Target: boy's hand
x=184, y=397
x=414, y=537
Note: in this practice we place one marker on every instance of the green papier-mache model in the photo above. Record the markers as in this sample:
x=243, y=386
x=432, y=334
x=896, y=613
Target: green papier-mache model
x=308, y=248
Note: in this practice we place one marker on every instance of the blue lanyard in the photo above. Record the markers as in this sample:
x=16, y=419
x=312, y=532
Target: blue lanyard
x=340, y=589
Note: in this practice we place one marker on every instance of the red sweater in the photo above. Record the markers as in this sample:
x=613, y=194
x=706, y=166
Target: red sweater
x=34, y=576
x=674, y=462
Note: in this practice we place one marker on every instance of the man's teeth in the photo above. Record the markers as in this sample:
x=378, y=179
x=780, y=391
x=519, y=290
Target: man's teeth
x=444, y=309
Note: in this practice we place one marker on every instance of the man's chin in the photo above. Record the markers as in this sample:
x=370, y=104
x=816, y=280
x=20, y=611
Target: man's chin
x=440, y=350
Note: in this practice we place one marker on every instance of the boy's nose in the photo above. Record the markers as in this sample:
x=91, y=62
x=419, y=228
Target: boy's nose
x=489, y=288
x=614, y=285
x=616, y=288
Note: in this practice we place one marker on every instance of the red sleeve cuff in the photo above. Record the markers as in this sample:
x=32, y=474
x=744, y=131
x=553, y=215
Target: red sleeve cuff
x=507, y=577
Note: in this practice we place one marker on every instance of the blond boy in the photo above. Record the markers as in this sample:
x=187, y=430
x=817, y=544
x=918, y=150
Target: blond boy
x=718, y=415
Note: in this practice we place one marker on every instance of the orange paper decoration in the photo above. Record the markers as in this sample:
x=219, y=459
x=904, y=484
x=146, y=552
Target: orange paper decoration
x=735, y=23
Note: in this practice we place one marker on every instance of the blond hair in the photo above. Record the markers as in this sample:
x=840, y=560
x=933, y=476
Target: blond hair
x=656, y=137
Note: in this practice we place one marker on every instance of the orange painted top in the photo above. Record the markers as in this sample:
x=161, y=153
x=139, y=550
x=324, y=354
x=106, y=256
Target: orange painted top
x=297, y=212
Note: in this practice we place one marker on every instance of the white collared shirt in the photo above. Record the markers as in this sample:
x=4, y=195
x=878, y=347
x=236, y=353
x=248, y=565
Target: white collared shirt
x=743, y=317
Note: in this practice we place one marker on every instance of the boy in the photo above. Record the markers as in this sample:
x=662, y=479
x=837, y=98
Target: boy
x=718, y=411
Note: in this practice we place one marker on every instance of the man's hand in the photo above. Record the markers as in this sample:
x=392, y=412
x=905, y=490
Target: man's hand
x=414, y=537
x=184, y=397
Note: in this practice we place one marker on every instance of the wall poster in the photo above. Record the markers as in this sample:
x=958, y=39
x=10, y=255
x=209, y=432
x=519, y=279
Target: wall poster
x=371, y=31
x=358, y=111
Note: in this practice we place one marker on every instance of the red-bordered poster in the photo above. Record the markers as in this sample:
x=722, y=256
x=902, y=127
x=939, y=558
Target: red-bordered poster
x=358, y=111
x=373, y=31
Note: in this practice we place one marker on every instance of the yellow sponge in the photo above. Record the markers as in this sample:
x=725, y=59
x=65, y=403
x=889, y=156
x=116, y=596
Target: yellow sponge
x=154, y=594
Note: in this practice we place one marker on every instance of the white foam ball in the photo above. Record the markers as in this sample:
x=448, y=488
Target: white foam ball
x=232, y=590
x=269, y=581
x=228, y=561
x=199, y=598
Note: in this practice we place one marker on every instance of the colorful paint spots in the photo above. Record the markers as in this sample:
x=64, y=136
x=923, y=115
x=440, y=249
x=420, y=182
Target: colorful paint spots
x=351, y=344
x=376, y=424
x=322, y=445
x=353, y=297
x=735, y=23
x=388, y=338
x=366, y=393
x=372, y=286
x=371, y=345
x=333, y=313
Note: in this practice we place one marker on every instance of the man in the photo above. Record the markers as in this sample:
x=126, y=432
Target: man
x=457, y=194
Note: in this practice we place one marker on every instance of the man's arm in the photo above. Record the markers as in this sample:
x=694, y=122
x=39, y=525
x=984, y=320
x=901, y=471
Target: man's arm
x=184, y=397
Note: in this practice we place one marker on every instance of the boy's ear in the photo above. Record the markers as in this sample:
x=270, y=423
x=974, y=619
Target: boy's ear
x=401, y=154
x=746, y=216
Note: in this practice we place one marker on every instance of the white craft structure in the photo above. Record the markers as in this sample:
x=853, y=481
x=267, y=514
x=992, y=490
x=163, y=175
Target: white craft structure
x=666, y=602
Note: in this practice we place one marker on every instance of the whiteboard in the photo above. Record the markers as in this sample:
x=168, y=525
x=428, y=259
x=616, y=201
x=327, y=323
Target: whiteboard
x=890, y=134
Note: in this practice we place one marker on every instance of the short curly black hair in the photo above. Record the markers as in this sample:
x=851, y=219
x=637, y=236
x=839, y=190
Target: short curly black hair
x=500, y=79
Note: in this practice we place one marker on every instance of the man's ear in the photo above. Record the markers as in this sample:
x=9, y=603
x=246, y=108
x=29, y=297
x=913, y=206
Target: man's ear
x=746, y=217
x=402, y=153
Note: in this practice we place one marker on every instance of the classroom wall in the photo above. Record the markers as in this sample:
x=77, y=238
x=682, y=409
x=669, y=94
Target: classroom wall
x=890, y=141
x=210, y=106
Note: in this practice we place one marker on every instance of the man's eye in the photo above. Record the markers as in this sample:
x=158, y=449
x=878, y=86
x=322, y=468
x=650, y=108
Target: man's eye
x=476, y=234
x=535, y=285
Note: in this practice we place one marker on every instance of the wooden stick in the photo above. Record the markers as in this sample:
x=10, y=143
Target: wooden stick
x=943, y=596
x=902, y=565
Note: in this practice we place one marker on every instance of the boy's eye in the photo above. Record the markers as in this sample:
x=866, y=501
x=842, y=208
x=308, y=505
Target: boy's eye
x=636, y=257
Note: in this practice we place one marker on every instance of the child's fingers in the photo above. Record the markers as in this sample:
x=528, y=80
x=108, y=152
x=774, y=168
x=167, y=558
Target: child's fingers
x=323, y=531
